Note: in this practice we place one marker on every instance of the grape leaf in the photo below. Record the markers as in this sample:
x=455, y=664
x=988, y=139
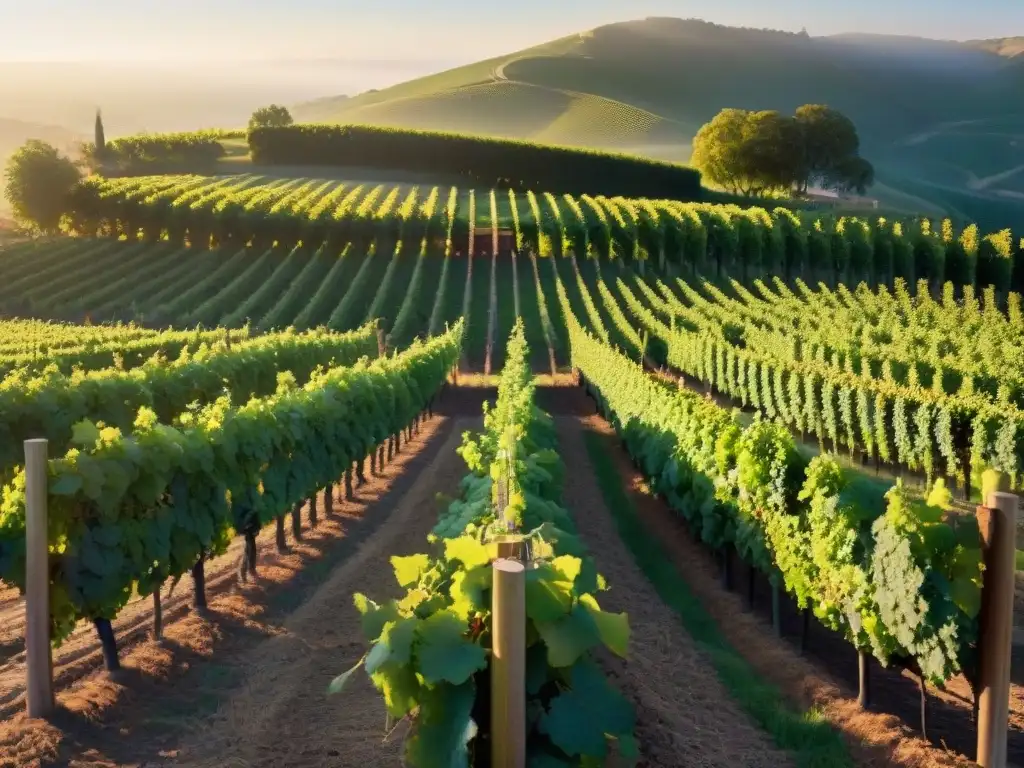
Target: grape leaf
x=467, y=550
x=580, y=718
x=612, y=627
x=468, y=588
x=374, y=616
x=66, y=484
x=85, y=434
x=444, y=728
x=443, y=653
x=409, y=569
x=399, y=686
x=377, y=656
x=548, y=597
x=398, y=636
x=569, y=637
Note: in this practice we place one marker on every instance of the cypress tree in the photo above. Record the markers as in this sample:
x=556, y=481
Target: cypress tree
x=101, y=139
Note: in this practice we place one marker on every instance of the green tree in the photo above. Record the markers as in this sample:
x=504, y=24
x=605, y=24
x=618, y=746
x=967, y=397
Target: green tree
x=38, y=179
x=851, y=174
x=748, y=153
x=752, y=153
x=273, y=116
x=830, y=147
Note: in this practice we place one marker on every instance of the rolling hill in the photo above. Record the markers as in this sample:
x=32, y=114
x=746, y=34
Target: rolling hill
x=942, y=121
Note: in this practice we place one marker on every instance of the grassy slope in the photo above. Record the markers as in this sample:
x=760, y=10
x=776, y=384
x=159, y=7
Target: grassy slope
x=647, y=86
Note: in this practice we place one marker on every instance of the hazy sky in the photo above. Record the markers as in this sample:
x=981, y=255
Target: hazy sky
x=431, y=30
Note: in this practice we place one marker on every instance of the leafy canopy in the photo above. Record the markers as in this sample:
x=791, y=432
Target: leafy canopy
x=753, y=153
x=38, y=180
x=274, y=116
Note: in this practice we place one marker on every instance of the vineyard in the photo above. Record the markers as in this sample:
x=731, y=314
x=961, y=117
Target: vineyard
x=817, y=401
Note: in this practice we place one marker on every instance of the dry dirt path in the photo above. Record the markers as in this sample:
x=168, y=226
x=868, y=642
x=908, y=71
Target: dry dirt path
x=281, y=716
x=684, y=715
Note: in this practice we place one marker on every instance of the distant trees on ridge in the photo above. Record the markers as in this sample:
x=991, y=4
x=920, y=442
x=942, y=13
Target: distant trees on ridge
x=756, y=153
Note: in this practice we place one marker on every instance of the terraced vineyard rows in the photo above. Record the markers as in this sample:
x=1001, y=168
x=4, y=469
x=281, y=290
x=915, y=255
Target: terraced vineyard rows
x=155, y=468
x=230, y=432
x=927, y=382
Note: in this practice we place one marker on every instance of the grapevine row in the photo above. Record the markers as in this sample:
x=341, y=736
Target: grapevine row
x=128, y=512
x=720, y=240
x=749, y=489
x=49, y=405
x=513, y=487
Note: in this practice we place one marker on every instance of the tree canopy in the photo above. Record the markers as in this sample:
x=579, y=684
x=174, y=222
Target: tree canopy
x=752, y=153
x=274, y=116
x=38, y=179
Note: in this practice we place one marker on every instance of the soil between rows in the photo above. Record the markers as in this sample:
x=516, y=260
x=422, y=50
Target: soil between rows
x=684, y=715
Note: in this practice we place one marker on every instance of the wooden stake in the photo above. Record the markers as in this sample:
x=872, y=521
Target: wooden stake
x=508, y=665
x=998, y=523
x=39, y=661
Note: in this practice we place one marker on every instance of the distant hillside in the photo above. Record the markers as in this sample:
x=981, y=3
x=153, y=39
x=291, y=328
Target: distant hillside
x=1002, y=46
x=14, y=133
x=942, y=121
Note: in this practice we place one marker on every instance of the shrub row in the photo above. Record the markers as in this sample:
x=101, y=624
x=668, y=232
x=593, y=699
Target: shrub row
x=489, y=162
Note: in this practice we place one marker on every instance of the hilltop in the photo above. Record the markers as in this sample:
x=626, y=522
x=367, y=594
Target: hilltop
x=939, y=119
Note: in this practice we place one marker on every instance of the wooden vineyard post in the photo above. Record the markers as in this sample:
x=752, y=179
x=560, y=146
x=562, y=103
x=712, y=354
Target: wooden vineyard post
x=998, y=523
x=39, y=661
x=508, y=665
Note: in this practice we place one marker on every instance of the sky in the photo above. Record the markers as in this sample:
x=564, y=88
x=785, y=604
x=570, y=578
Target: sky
x=431, y=32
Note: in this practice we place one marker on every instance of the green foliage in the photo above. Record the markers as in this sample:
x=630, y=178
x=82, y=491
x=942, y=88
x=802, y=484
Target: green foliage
x=926, y=578
x=479, y=161
x=51, y=403
x=748, y=153
x=919, y=384
x=753, y=153
x=807, y=737
x=38, y=180
x=741, y=242
x=905, y=584
x=830, y=144
x=430, y=650
x=274, y=116
x=128, y=511
x=995, y=260
x=69, y=348
x=163, y=152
